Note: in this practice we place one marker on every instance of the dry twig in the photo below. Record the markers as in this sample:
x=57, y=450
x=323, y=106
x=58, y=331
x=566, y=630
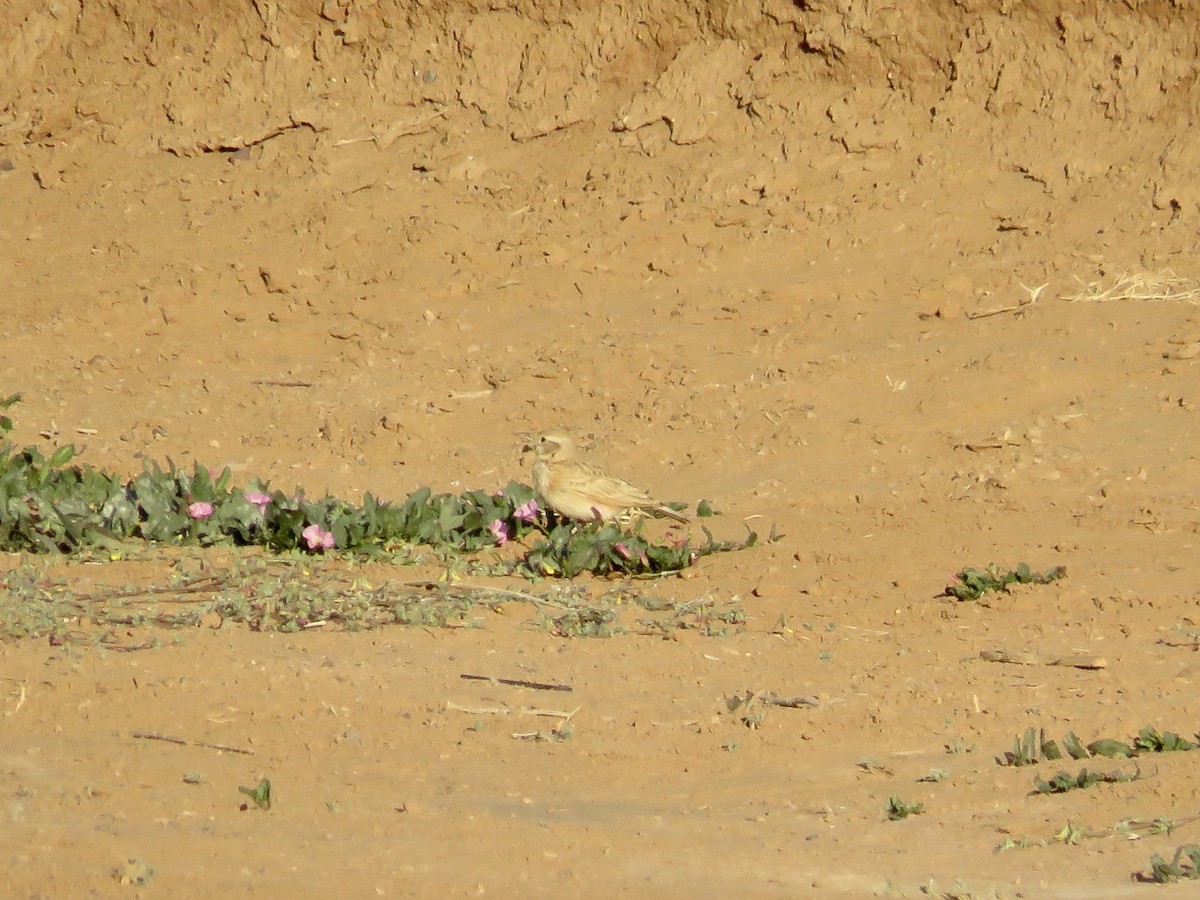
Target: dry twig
x=555, y=733
x=518, y=682
x=1034, y=293
x=183, y=742
x=1032, y=658
x=789, y=702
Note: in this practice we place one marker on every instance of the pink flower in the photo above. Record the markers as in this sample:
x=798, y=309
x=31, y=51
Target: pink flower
x=317, y=538
x=258, y=498
x=500, y=531
x=621, y=550
x=200, y=510
x=527, y=511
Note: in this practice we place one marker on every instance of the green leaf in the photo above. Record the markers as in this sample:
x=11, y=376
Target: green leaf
x=261, y=794
x=1074, y=747
x=1111, y=749
x=898, y=809
x=62, y=456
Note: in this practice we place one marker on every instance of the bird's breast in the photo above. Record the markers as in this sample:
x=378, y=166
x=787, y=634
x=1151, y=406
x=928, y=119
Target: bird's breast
x=541, y=477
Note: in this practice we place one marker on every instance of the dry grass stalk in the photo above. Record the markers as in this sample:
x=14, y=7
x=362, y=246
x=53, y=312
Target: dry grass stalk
x=1161, y=286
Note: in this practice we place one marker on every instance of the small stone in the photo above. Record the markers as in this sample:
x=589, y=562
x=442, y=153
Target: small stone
x=949, y=309
x=769, y=588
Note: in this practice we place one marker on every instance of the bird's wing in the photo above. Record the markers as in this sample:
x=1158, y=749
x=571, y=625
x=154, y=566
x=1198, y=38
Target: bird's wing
x=604, y=489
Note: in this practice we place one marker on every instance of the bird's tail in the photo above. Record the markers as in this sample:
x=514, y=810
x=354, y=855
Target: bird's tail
x=667, y=512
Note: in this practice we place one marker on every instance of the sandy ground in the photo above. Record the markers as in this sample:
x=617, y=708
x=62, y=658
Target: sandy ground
x=810, y=261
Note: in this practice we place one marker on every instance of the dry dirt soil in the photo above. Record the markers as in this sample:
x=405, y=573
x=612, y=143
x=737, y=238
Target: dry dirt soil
x=831, y=264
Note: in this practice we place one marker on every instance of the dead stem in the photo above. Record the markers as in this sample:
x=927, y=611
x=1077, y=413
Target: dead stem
x=518, y=682
x=1159, y=286
x=183, y=742
x=499, y=592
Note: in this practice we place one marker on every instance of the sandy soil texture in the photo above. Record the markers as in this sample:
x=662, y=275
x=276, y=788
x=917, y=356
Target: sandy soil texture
x=839, y=267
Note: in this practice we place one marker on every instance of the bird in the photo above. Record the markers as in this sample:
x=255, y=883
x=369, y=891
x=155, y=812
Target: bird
x=576, y=489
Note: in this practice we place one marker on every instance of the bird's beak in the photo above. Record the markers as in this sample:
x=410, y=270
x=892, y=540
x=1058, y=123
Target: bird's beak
x=528, y=442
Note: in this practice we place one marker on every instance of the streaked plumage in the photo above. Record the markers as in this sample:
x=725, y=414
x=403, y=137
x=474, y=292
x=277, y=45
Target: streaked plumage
x=577, y=489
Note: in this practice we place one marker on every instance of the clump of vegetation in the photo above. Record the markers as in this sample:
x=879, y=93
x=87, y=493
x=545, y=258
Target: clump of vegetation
x=134, y=872
x=49, y=505
x=1034, y=747
x=748, y=709
x=264, y=594
x=1150, y=740
x=704, y=616
x=603, y=549
x=971, y=584
x=290, y=594
x=1064, y=781
x=588, y=621
x=260, y=795
x=898, y=809
x=1030, y=749
x=1130, y=829
x=1184, y=865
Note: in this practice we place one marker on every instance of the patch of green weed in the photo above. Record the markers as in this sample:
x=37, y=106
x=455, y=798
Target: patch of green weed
x=971, y=584
x=898, y=809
